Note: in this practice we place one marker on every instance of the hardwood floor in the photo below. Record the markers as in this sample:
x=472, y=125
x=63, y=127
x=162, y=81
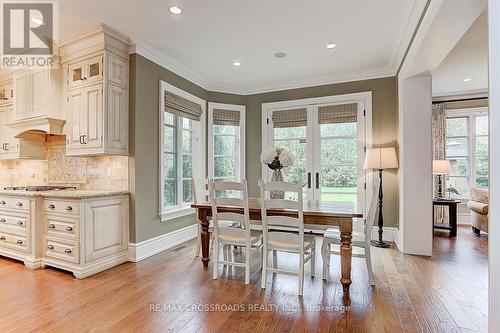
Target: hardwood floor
x=445, y=293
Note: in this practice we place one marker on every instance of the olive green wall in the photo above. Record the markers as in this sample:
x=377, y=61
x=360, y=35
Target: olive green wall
x=144, y=135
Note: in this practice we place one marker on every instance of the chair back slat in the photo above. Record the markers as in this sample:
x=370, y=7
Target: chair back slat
x=228, y=186
x=372, y=211
x=281, y=203
x=230, y=217
x=230, y=202
x=280, y=186
x=199, y=190
x=282, y=221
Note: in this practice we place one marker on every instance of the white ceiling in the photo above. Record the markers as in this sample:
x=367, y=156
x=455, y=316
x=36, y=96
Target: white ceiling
x=469, y=58
x=202, y=43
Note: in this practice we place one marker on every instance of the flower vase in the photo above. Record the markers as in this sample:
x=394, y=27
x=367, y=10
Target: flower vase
x=277, y=177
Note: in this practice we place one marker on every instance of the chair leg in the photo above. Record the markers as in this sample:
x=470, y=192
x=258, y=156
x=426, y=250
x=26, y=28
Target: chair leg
x=324, y=257
x=264, y=267
x=368, y=259
x=216, y=260
x=248, y=248
x=198, y=244
x=301, y=274
x=224, y=252
x=275, y=259
x=313, y=258
x=211, y=244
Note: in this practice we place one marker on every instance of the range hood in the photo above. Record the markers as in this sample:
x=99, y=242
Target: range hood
x=38, y=125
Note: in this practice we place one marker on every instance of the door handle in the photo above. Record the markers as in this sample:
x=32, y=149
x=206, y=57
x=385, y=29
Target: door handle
x=317, y=180
x=81, y=138
x=84, y=136
x=308, y=180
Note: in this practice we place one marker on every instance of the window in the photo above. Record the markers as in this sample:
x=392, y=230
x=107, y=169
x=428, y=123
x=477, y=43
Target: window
x=226, y=142
x=181, y=133
x=467, y=149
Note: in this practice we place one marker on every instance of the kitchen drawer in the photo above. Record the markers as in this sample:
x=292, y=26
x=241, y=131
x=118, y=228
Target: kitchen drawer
x=61, y=249
x=14, y=203
x=61, y=226
x=61, y=206
x=15, y=242
x=14, y=220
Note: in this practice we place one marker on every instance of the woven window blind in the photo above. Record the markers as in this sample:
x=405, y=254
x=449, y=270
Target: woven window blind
x=334, y=114
x=182, y=107
x=290, y=118
x=226, y=117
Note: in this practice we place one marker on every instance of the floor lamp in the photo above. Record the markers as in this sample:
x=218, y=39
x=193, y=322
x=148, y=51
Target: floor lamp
x=380, y=159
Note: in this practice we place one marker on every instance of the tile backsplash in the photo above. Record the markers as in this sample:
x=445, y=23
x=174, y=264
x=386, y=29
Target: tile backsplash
x=98, y=173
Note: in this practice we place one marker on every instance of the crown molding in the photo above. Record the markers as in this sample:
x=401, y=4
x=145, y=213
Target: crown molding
x=473, y=93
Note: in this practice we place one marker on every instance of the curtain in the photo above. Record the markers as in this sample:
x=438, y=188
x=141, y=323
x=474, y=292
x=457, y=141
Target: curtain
x=182, y=107
x=334, y=114
x=290, y=118
x=439, y=152
x=226, y=117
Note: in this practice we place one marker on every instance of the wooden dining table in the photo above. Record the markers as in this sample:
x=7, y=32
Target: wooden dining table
x=320, y=213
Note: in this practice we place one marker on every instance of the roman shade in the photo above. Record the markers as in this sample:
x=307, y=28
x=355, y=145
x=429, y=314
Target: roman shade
x=290, y=118
x=341, y=113
x=182, y=107
x=226, y=117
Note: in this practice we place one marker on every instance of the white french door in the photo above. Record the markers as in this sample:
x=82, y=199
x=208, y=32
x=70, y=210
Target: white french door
x=329, y=144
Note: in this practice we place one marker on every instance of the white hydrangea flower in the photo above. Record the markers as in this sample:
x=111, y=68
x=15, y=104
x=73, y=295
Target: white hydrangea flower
x=268, y=156
x=286, y=158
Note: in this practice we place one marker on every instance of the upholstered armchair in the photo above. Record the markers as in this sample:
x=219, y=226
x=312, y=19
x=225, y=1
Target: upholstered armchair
x=478, y=206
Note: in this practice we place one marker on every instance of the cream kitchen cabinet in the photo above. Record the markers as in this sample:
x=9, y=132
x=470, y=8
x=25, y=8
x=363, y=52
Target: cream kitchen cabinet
x=39, y=92
x=96, y=69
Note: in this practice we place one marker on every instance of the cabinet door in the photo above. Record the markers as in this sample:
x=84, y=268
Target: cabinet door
x=5, y=93
x=3, y=131
x=117, y=117
x=40, y=91
x=22, y=104
x=76, y=108
x=117, y=70
x=106, y=227
x=76, y=74
x=93, y=70
x=91, y=120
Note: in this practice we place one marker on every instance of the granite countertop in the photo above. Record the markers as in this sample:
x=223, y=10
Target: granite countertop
x=65, y=194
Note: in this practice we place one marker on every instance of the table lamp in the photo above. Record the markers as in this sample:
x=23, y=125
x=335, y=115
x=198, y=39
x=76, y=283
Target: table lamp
x=440, y=168
x=380, y=159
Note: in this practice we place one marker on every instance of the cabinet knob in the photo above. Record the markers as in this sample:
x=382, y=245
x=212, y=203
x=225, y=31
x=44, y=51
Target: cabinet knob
x=52, y=206
x=51, y=226
x=67, y=251
x=19, y=204
x=69, y=208
x=68, y=229
x=19, y=241
x=2, y=238
x=20, y=223
x=3, y=220
x=2, y=202
x=50, y=247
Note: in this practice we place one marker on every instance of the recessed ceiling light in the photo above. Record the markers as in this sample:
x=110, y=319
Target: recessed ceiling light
x=236, y=64
x=467, y=79
x=175, y=10
x=280, y=54
x=331, y=45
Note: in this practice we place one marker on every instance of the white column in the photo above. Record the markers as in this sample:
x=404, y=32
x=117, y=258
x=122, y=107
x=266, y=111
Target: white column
x=494, y=218
x=415, y=173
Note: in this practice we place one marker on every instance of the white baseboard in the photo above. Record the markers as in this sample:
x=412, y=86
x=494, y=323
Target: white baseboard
x=463, y=219
x=145, y=249
x=389, y=235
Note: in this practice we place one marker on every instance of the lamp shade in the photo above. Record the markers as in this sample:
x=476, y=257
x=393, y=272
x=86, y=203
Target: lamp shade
x=381, y=158
x=441, y=167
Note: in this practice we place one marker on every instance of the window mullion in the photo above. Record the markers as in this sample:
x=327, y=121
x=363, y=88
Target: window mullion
x=179, y=152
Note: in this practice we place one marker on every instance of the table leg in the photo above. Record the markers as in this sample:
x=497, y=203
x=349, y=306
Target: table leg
x=453, y=219
x=345, y=254
x=205, y=236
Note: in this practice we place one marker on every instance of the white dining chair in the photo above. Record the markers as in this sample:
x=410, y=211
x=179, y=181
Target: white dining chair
x=282, y=241
x=232, y=208
x=359, y=240
x=200, y=194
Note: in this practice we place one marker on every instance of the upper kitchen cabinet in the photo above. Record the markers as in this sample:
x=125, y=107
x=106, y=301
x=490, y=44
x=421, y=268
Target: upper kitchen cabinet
x=96, y=83
x=38, y=93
